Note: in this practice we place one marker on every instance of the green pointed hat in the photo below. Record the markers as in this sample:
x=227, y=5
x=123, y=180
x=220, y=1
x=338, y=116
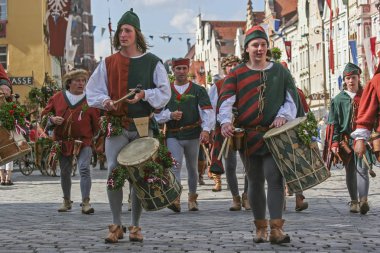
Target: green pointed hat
x=351, y=69
x=129, y=18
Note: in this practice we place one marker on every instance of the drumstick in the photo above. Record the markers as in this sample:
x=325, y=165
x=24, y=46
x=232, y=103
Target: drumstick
x=137, y=90
x=125, y=97
x=222, y=149
x=228, y=147
x=206, y=153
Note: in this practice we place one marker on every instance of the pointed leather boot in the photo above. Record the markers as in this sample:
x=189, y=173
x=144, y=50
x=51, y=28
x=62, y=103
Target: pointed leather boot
x=300, y=204
x=364, y=207
x=193, y=204
x=354, y=206
x=277, y=235
x=236, y=204
x=218, y=182
x=66, y=205
x=86, y=207
x=176, y=205
x=201, y=170
x=135, y=234
x=115, y=233
x=245, y=202
x=261, y=231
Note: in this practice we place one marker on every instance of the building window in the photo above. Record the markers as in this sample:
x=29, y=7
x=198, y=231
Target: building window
x=3, y=10
x=3, y=56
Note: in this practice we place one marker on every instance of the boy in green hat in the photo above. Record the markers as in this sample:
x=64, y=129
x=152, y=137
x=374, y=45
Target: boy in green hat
x=112, y=79
x=343, y=114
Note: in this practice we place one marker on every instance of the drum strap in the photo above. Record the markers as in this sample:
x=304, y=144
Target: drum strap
x=175, y=130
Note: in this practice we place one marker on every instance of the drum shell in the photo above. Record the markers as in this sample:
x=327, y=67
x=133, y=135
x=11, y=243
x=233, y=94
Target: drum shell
x=300, y=164
x=154, y=196
x=12, y=146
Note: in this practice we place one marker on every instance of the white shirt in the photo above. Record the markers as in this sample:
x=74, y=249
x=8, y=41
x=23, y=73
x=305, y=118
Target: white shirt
x=207, y=115
x=74, y=99
x=97, y=91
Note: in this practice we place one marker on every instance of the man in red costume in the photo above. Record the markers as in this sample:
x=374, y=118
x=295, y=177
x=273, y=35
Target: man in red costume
x=74, y=122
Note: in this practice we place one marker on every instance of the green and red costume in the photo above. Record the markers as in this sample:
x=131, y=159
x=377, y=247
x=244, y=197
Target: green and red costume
x=259, y=96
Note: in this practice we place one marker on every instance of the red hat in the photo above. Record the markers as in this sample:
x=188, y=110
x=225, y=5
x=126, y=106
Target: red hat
x=180, y=61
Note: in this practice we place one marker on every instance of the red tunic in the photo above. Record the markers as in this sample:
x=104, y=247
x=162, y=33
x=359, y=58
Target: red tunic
x=81, y=121
x=368, y=115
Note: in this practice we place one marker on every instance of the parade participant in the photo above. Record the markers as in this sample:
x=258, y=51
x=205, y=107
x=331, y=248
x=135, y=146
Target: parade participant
x=266, y=97
x=343, y=114
x=300, y=203
x=189, y=119
x=111, y=80
x=228, y=63
x=73, y=122
x=367, y=121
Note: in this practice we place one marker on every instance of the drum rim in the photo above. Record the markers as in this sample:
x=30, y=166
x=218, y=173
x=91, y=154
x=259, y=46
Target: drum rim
x=284, y=128
x=144, y=158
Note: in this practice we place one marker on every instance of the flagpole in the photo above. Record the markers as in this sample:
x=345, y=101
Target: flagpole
x=110, y=28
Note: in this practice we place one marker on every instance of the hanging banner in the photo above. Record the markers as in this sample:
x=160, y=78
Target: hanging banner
x=354, y=51
x=288, y=49
x=276, y=25
x=368, y=56
x=373, y=45
x=57, y=18
x=340, y=82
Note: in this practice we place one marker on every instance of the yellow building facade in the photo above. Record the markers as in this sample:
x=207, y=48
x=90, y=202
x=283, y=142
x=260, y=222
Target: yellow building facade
x=23, y=50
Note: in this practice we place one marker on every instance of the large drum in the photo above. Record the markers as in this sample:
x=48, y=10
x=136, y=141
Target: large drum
x=12, y=146
x=300, y=164
x=158, y=192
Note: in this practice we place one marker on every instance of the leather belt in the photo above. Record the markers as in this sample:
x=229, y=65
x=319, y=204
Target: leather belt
x=175, y=130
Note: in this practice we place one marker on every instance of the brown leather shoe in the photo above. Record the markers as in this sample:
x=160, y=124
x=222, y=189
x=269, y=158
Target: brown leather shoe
x=236, y=203
x=193, y=204
x=300, y=203
x=364, y=207
x=277, y=235
x=116, y=232
x=354, y=206
x=218, y=182
x=176, y=206
x=135, y=234
x=245, y=201
x=261, y=231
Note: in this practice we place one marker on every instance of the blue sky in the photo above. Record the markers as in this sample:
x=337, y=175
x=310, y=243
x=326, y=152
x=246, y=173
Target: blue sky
x=174, y=18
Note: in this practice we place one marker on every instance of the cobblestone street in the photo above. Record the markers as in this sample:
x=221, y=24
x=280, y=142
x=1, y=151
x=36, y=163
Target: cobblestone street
x=30, y=221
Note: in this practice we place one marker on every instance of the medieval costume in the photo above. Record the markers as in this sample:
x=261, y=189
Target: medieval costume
x=183, y=135
x=265, y=96
x=74, y=127
x=111, y=80
x=343, y=113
